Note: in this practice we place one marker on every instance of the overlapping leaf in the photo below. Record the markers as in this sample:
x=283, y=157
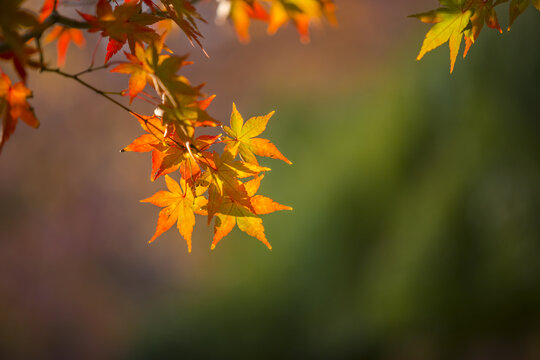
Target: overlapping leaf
x=217, y=183
x=13, y=18
x=47, y=9
x=301, y=13
x=243, y=138
x=450, y=22
x=124, y=23
x=14, y=106
x=241, y=12
x=276, y=13
x=183, y=105
x=231, y=213
x=465, y=18
x=485, y=13
x=215, y=179
x=184, y=14
x=180, y=205
x=64, y=37
x=225, y=175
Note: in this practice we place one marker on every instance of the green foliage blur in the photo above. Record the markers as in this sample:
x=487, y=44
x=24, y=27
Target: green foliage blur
x=416, y=230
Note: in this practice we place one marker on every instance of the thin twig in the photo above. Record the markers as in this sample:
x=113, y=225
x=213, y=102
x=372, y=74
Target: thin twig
x=87, y=85
x=52, y=19
x=40, y=50
x=106, y=96
x=91, y=69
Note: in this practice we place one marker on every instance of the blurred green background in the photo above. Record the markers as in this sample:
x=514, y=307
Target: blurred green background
x=415, y=232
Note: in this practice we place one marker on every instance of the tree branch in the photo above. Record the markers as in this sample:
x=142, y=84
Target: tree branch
x=54, y=18
x=87, y=85
x=106, y=96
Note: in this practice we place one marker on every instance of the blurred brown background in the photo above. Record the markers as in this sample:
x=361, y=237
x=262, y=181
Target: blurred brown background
x=415, y=233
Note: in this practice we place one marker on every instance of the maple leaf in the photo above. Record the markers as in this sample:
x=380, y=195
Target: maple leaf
x=484, y=13
x=180, y=206
x=169, y=152
x=155, y=134
x=13, y=106
x=450, y=22
x=139, y=70
x=183, y=157
x=262, y=204
x=465, y=18
x=301, y=12
x=182, y=106
x=244, y=141
x=47, y=9
x=123, y=23
x=12, y=19
x=185, y=15
x=65, y=35
x=517, y=7
x=241, y=12
x=224, y=181
x=20, y=56
x=148, y=65
x=154, y=141
x=231, y=213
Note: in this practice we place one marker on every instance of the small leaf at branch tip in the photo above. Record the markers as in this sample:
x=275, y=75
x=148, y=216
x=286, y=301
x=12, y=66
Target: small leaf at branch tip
x=213, y=247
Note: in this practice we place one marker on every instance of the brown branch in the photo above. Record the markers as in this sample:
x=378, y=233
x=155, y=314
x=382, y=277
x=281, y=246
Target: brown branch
x=54, y=18
x=87, y=85
x=106, y=96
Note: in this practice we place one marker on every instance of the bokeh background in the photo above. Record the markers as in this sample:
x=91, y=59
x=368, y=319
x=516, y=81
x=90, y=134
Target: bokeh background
x=415, y=232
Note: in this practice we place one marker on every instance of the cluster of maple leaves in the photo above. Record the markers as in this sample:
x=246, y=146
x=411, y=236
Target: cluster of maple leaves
x=458, y=19
x=275, y=13
x=221, y=185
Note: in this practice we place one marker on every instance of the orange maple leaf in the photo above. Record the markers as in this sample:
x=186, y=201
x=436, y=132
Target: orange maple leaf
x=224, y=180
x=485, y=13
x=179, y=156
x=180, y=206
x=46, y=9
x=184, y=14
x=241, y=12
x=13, y=106
x=169, y=152
x=13, y=18
x=301, y=13
x=65, y=35
x=244, y=141
x=137, y=68
x=232, y=213
x=123, y=23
